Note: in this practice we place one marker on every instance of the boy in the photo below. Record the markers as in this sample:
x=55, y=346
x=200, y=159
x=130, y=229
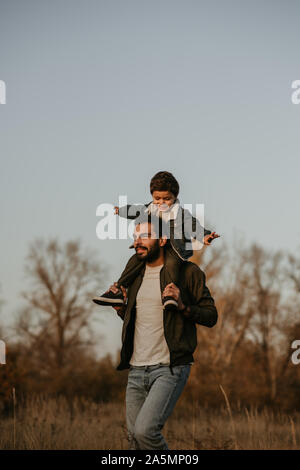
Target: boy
x=182, y=226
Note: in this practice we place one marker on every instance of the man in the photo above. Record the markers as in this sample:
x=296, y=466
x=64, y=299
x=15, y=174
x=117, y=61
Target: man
x=158, y=344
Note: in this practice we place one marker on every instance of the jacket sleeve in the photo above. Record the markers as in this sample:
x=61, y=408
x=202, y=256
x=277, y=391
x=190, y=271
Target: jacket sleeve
x=131, y=211
x=121, y=313
x=193, y=228
x=202, y=309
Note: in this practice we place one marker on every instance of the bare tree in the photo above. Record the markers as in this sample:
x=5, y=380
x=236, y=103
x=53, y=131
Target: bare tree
x=262, y=313
x=265, y=327
x=293, y=271
x=228, y=279
x=55, y=322
x=291, y=328
x=250, y=290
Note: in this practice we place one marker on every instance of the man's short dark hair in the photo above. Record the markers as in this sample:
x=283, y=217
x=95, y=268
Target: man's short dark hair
x=164, y=181
x=161, y=228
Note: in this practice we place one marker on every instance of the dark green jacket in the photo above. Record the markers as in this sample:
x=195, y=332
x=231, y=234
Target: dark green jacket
x=180, y=330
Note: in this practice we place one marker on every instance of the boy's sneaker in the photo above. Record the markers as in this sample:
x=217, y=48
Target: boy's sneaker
x=169, y=303
x=110, y=299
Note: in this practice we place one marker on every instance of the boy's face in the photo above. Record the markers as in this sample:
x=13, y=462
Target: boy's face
x=164, y=199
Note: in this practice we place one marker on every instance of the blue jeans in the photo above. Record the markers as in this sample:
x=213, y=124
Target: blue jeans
x=151, y=395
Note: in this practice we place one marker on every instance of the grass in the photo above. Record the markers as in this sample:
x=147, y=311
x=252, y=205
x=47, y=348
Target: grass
x=48, y=423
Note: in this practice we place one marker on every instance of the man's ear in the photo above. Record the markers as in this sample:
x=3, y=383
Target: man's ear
x=162, y=241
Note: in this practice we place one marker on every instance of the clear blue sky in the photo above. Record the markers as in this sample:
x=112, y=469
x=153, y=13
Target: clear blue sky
x=103, y=94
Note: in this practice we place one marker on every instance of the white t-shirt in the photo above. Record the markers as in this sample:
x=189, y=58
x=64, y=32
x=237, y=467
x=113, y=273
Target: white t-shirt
x=150, y=346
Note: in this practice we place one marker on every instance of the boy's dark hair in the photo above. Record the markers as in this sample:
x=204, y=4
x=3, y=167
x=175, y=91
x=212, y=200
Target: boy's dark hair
x=161, y=228
x=164, y=181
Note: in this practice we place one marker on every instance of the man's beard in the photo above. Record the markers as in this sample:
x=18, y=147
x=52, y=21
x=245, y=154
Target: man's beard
x=151, y=254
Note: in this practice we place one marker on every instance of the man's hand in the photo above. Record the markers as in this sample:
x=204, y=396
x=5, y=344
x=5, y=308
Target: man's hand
x=172, y=291
x=114, y=288
x=209, y=238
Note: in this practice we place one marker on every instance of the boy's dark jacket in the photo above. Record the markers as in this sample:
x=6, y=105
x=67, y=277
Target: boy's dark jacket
x=182, y=229
x=180, y=331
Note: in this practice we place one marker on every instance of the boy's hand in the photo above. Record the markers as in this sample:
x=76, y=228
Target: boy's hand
x=116, y=210
x=209, y=238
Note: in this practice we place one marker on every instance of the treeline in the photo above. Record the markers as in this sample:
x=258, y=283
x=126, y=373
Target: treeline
x=248, y=352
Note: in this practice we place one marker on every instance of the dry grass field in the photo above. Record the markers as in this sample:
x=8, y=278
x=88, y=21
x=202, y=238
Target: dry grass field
x=50, y=423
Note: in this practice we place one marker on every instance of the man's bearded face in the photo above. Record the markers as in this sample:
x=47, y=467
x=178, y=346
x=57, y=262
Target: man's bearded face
x=146, y=243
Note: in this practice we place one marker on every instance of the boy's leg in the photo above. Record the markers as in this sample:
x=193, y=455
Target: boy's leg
x=132, y=269
x=173, y=265
x=163, y=390
x=171, y=273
